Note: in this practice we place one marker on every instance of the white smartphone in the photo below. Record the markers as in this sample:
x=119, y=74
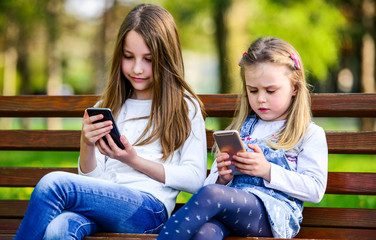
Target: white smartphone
x=229, y=141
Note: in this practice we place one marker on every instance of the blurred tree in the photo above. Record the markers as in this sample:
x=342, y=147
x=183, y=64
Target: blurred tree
x=312, y=27
x=17, y=22
x=16, y=25
x=368, y=57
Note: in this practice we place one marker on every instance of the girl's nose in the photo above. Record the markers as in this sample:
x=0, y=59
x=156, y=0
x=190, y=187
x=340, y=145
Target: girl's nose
x=261, y=98
x=137, y=67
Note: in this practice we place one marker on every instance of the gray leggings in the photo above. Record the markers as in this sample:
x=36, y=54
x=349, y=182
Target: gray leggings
x=215, y=212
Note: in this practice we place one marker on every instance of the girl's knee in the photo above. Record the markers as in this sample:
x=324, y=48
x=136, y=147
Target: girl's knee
x=69, y=225
x=212, y=190
x=51, y=181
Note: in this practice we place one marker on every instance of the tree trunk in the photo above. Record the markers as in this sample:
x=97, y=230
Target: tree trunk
x=54, y=69
x=368, y=58
x=221, y=9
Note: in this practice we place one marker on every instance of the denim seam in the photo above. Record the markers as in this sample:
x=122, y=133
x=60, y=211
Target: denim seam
x=124, y=200
x=81, y=225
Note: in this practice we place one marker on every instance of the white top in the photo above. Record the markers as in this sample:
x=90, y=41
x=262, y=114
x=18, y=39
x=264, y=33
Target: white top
x=185, y=171
x=309, y=164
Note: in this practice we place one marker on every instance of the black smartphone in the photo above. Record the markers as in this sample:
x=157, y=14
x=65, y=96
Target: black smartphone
x=229, y=141
x=107, y=115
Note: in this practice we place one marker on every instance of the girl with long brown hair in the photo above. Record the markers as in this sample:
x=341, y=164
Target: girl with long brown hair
x=131, y=190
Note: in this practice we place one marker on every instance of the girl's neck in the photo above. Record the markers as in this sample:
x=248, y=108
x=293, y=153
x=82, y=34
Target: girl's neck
x=141, y=96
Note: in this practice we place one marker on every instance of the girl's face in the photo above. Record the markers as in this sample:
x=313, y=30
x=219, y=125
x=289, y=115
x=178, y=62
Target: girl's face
x=136, y=65
x=269, y=90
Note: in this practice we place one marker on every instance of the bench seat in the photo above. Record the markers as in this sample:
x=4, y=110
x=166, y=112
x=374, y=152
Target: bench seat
x=318, y=222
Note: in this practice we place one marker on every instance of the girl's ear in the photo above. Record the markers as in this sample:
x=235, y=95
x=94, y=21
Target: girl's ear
x=295, y=90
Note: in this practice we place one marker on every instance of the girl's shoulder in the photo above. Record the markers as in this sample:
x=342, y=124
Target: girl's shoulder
x=193, y=104
x=315, y=130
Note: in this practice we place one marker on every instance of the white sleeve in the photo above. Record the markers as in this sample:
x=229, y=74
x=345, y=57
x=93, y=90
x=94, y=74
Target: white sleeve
x=189, y=174
x=309, y=181
x=213, y=176
x=99, y=170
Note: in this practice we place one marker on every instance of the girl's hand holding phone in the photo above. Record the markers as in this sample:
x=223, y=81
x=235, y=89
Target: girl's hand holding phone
x=92, y=132
x=127, y=155
x=224, y=170
x=253, y=163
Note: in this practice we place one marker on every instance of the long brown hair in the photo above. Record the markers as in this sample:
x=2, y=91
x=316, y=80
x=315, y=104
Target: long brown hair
x=275, y=50
x=168, y=118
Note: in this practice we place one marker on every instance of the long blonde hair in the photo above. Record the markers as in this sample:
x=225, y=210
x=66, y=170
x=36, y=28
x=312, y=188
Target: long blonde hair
x=168, y=118
x=275, y=50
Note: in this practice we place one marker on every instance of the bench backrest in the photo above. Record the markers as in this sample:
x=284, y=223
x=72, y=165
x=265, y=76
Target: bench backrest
x=318, y=222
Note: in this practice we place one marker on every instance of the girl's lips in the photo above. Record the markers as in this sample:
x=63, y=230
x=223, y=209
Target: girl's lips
x=138, y=79
x=263, y=110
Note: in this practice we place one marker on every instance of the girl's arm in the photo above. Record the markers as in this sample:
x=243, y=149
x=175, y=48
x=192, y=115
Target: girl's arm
x=308, y=183
x=187, y=169
x=89, y=136
x=129, y=156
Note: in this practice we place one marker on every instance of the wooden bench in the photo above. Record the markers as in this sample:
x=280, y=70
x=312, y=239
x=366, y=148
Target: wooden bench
x=318, y=223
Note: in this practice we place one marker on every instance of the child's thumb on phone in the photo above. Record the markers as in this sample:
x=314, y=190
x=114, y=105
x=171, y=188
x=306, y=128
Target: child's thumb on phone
x=255, y=148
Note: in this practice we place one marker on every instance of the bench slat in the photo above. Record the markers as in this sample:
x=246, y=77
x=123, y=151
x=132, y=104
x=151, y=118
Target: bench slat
x=339, y=217
x=217, y=105
x=40, y=140
x=338, y=182
x=336, y=233
x=312, y=216
x=26, y=176
x=305, y=233
x=69, y=140
x=45, y=106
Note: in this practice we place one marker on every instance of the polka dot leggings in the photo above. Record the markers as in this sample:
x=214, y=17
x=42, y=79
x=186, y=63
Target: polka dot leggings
x=215, y=212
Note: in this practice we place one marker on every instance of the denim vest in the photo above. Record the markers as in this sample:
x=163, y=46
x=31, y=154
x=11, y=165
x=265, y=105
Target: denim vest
x=284, y=212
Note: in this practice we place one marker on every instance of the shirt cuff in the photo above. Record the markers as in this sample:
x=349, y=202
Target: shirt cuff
x=275, y=171
x=95, y=173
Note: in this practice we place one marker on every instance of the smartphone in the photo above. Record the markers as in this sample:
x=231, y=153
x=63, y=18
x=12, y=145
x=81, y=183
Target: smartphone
x=107, y=115
x=229, y=141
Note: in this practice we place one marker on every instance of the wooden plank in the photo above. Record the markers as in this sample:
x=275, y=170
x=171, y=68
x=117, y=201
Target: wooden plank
x=351, y=183
x=45, y=106
x=69, y=140
x=361, y=142
x=312, y=217
x=217, y=105
x=344, y=104
x=13, y=209
x=336, y=233
x=26, y=176
x=9, y=225
x=338, y=182
x=339, y=217
x=40, y=140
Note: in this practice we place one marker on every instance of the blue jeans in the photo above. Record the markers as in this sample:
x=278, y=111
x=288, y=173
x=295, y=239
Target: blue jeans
x=70, y=206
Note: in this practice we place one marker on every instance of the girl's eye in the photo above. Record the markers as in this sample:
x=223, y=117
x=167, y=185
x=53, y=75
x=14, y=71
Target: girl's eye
x=127, y=56
x=270, y=91
x=148, y=59
x=253, y=91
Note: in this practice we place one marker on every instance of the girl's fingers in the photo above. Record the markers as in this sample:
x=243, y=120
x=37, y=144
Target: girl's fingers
x=112, y=144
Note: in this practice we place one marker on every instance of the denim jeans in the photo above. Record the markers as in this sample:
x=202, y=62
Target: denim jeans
x=70, y=206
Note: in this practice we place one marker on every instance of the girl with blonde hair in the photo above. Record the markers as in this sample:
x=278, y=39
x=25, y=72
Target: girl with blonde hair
x=131, y=190
x=285, y=162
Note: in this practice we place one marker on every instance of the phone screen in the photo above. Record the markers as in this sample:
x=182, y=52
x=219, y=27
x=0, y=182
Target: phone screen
x=229, y=141
x=107, y=115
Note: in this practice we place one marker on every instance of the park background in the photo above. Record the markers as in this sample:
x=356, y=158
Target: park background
x=63, y=47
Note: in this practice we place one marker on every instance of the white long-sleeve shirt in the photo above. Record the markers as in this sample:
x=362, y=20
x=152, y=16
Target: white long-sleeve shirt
x=185, y=170
x=309, y=161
